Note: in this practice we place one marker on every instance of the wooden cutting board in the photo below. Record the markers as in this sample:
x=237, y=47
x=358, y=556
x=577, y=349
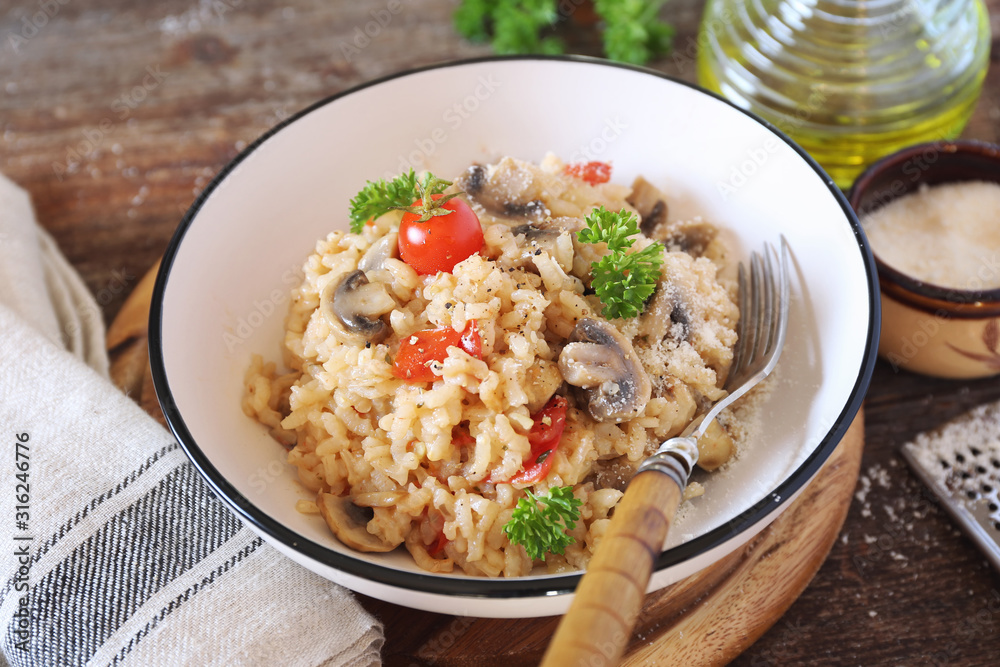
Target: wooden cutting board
x=706, y=619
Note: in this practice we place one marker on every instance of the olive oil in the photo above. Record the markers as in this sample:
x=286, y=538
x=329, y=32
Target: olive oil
x=849, y=80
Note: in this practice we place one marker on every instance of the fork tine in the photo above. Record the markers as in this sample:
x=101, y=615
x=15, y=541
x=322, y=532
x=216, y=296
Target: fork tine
x=740, y=352
x=763, y=303
x=777, y=316
x=779, y=321
x=756, y=307
x=765, y=323
x=770, y=298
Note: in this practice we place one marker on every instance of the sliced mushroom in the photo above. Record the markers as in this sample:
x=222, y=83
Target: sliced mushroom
x=647, y=199
x=691, y=236
x=474, y=179
x=534, y=209
x=602, y=362
x=532, y=238
x=665, y=315
x=349, y=523
x=680, y=321
x=535, y=233
x=655, y=319
x=550, y=226
x=354, y=308
x=546, y=236
x=383, y=249
x=612, y=473
x=507, y=191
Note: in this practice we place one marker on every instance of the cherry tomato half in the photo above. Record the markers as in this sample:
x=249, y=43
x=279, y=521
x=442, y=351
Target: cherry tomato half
x=544, y=437
x=436, y=522
x=415, y=353
x=441, y=242
x=591, y=172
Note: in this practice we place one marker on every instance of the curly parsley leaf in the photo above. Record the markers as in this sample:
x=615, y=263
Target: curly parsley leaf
x=632, y=31
x=518, y=26
x=379, y=197
x=539, y=523
x=471, y=18
x=623, y=280
x=513, y=26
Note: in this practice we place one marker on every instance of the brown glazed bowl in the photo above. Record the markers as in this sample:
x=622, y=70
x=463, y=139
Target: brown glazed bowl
x=926, y=328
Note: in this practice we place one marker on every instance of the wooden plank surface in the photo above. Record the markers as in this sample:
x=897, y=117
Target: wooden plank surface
x=115, y=114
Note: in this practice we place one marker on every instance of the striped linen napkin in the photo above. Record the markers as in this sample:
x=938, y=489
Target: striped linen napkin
x=113, y=550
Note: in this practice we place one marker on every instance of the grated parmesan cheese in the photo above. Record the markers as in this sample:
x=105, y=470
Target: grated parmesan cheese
x=946, y=235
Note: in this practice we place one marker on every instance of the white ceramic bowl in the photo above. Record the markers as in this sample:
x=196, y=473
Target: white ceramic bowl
x=223, y=287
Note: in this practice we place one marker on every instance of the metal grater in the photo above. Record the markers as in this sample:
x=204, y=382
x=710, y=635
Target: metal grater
x=960, y=463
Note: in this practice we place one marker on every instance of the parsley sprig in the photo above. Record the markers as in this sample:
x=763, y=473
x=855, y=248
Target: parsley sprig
x=379, y=197
x=511, y=27
x=631, y=30
x=539, y=523
x=623, y=280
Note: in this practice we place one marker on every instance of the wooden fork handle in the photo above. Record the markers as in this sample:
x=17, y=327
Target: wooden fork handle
x=600, y=619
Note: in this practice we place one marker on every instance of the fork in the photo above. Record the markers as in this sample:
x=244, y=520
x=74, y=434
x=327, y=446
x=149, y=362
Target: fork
x=600, y=619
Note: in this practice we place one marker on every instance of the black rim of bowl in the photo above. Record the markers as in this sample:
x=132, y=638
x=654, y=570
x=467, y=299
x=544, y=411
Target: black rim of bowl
x=924, y=295
x=521, y=587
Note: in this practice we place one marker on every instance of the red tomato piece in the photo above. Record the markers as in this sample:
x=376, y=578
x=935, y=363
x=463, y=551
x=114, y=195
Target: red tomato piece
x=461, y=437
x=438, y=546
x=417, y=351
x=544, y=438
x=441, y=242
x=591, y=172
x=436, y=523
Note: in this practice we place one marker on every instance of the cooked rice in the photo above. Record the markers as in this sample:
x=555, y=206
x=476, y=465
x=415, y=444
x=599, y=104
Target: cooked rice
x=354, y=429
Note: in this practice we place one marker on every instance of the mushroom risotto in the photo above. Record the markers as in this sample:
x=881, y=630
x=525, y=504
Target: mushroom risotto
x=479, y=367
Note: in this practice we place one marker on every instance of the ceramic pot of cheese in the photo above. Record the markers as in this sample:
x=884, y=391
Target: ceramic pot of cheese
x=929, y=212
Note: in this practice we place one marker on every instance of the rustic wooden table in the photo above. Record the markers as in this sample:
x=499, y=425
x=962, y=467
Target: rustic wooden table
x=115, y=114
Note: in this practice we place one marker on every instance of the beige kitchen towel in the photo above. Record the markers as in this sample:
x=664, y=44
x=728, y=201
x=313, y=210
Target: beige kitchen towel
x=115, y=551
